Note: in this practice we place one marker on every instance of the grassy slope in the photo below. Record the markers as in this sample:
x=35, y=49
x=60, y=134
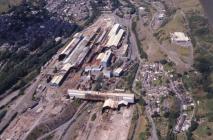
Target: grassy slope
x=205, y=106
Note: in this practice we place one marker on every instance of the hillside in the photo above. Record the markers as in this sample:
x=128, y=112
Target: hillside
x=27, y=41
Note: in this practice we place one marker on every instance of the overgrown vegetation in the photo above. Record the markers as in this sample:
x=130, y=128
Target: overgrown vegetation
x=93, y=117
x=129, y=78
x=115, y=3
x=202, y=38
x=2, y=114
x=172, y=117
x=28, y=44
x=138, y=41
x=203, y=50
x=95, y=14
x=20, y=67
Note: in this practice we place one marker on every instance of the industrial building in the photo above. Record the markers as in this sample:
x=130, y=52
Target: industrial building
x=57, y=80
x=79, y=53
x=107, y=73
x=115, y=36
x=103, y=34
x=94, y=66
x=180, y=38
x=122, y=51
x=109, y=103
x=74, y=59
x=101, y=96
x=106, y=58
x=114, y=30
x=118, y=37
x=66, y=67
x=117, y=72
x=70, y=46
x=87, y=51
x=115, y=39
x=180, y=123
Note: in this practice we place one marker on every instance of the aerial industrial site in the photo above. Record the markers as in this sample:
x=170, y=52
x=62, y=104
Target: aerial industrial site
x=89, y=67
x=104, y=70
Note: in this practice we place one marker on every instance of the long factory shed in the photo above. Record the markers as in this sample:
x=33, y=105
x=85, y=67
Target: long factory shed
x=71, y=45
x=101, y=96
x=115, y=35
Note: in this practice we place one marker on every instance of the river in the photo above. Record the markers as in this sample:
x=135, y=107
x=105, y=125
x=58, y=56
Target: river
x=208, y=7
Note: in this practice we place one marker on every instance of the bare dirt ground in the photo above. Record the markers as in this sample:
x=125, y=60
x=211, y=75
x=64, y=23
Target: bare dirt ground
x=24, y=124
x=106, y=126
x=149, y=43
x=110, y=129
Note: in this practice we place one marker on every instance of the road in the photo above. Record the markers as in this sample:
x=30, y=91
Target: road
x=154, y=135
x=136, y=55
x=133, y=45
x=172, y=85
x=37, y=121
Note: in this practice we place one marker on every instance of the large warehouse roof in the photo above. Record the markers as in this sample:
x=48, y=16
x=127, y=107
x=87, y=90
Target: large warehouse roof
x=74, y=57
x=94, y=95
x=57, y=80
x=115, y=39
x=106, y=56
x=114, y=30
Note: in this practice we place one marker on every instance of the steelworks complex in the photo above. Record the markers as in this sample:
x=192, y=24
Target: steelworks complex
x=93, y=54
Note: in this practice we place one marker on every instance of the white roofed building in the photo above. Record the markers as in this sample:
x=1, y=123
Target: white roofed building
x=57, y=80
x=181, y=39
x=115, y=39
x=107, y=73
x=106, y=58
x=117, y=72
x=115, y=35
x=114, y=30
x=101, y=96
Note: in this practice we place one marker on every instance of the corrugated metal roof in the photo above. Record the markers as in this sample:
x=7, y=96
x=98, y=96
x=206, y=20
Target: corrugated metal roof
x=101, y=37
x=118, y=70
x=66, y=67
x=110, y=103
x=107, y=94
x=107, y=55
x=70, y=46
x=80, y=48
x=100, y=56
x=179, y=36
x=116, y=38
x=114, y=30
x=57, y=79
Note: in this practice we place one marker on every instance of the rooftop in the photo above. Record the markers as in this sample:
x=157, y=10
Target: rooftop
x=57, y=79
x=101, y=95
x=179, y=36
x=106, y=56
